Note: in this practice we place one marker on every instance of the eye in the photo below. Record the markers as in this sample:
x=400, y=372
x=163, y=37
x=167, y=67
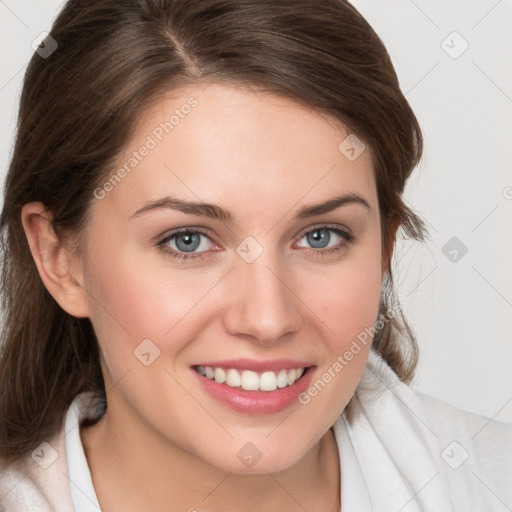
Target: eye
x=185, y=243
x=195, y=244
x=319, y=238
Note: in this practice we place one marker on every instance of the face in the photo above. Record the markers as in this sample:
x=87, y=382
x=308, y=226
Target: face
x=182, y=298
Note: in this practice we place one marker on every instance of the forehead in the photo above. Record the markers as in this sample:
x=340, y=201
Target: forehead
x=240, y=148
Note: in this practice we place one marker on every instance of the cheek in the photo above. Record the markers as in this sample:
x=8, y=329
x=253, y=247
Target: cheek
x=137, y=294
x=349, y=307
x=354, y=302
x=347, y=297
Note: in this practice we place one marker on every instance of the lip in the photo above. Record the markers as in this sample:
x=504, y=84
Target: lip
x=258, y=366
x=256, y=402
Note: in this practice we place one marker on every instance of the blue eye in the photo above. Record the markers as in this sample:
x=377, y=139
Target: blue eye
x=190, y=243
x=187, y=241
x=319, y=238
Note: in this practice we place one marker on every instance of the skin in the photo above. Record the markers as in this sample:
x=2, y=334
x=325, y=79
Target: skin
x=163, y=439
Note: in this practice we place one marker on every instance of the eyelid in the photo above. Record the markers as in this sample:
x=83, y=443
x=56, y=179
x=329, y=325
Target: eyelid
x=206, y=232
x=165, y=237
x=320, y=225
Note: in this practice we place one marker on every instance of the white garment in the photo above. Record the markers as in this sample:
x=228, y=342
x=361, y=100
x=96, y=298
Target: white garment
x=403, y=452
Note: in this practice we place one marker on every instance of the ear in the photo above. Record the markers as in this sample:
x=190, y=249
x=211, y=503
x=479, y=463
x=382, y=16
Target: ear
x=53, y=260
x=394, y=224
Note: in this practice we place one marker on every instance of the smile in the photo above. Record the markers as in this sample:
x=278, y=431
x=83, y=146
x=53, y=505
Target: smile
x=250, y=380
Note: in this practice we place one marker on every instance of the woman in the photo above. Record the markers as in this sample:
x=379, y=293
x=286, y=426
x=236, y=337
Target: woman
x=198, y=222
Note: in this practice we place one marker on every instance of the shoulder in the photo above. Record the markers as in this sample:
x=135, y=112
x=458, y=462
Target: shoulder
x=465, y=435
x=37, y=482
x=469, y=456
x=457, y=422
x=476, y=451
x=40, y=481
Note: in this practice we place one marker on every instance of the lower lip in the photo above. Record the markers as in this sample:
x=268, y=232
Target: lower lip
x=256, y=402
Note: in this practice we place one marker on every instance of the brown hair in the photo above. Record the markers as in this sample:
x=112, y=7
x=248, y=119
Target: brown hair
x=78, y=108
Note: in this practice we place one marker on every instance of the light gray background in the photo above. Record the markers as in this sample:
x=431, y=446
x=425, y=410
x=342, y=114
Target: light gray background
x=460, y=310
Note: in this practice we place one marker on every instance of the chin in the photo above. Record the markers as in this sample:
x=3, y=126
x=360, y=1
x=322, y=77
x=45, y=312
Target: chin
x=245, y=457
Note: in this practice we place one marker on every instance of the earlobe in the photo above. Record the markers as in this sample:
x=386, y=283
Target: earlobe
x=53, y=260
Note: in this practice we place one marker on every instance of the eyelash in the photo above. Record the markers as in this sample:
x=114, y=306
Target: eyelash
x=348, y=239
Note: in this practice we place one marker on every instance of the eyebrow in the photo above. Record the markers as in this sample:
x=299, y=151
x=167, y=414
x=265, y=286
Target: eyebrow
x=216, y=212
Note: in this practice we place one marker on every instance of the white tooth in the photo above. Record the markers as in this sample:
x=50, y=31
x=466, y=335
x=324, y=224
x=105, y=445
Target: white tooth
x=250, y=380
x=268, y=381
x=233, y=378
x=200, y=370
x=209, y=372
x=291, y=376
x=220, y=375
x=282, y=379
x=298, y=373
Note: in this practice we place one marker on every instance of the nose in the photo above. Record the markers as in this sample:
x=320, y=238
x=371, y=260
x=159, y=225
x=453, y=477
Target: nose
x=263, y=305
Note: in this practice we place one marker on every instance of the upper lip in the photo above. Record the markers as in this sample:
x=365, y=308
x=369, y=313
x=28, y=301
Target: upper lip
x=258, y=365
